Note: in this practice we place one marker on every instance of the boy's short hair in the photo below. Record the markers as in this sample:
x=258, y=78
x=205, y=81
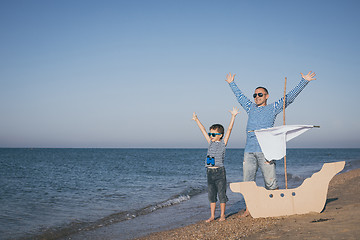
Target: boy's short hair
x=219, y=128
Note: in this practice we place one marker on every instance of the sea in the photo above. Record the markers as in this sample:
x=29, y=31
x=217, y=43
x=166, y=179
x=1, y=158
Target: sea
x=54, y=193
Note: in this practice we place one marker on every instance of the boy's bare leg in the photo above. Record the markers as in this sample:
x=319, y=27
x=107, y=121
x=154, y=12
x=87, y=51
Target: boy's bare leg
x=222, y=209
x=212, y=210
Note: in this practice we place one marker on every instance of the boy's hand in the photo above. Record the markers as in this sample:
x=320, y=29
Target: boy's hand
x=309, y=77
x=194, y=117
x=235, y=111
x=230, y=78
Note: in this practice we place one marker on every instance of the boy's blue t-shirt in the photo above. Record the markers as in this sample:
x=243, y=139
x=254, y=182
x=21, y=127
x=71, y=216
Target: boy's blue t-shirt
x=216, y=151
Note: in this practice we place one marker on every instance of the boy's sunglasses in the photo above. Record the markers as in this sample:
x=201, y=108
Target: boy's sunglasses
x=213, y=134
x=258, y=94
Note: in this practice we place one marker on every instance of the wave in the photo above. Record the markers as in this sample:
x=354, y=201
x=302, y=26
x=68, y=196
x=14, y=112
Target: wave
x=295, y=177
x=79, y=226
x=352, y=164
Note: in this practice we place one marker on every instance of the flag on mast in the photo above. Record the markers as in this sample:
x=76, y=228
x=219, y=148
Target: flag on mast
x=273, y=140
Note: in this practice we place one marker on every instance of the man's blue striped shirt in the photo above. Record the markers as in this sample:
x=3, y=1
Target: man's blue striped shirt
x=263, y=117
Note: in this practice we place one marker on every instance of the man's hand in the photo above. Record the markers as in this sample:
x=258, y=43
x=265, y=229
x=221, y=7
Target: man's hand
x=309, y=77
x=230, y=78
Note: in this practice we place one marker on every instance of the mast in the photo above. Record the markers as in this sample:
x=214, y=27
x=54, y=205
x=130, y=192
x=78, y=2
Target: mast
x=286, y=185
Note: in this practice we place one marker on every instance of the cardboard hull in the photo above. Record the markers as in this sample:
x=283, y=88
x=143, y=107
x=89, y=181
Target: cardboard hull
x=309, y=197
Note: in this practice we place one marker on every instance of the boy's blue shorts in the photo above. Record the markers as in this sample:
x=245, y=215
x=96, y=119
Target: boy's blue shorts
x=216, y=179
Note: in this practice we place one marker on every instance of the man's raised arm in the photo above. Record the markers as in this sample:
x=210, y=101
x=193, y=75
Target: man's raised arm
x=309, y=77
x=290, y=96
x=242, y=99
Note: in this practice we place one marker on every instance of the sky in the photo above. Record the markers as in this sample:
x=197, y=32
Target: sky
x=130, y=74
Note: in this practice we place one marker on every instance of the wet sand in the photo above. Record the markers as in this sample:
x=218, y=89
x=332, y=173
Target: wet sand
x=340, y=219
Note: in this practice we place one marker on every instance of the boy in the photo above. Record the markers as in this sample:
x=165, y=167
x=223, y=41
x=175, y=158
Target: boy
x=216, y=175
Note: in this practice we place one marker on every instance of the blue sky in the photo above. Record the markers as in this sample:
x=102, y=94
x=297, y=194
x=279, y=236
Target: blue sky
x=131, y=73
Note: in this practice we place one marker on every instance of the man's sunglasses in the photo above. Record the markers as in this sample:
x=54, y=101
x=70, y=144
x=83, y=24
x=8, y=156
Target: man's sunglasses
x=258, y=94
x=213, y=134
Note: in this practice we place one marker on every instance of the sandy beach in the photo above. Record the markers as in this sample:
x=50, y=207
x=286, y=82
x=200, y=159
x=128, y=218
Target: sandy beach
x=340, y=219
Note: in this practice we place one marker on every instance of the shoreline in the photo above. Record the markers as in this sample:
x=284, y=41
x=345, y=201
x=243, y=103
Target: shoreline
x=338, y=220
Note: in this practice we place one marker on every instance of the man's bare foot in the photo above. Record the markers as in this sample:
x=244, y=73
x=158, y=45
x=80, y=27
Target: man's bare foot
x=222, y=219
x=244, y=214
x=210, y=219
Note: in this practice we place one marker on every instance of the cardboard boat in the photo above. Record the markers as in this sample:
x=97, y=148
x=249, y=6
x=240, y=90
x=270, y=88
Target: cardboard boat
x=310, y=196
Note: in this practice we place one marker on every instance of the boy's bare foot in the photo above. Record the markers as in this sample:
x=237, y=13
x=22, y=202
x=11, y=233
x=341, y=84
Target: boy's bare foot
x=210, y=219
x=222, y=219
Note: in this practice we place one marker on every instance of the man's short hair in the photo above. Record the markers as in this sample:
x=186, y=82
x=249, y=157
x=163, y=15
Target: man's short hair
x=264, y=89
x=219, y=128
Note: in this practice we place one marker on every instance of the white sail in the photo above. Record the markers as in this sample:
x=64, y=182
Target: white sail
x=273, y=140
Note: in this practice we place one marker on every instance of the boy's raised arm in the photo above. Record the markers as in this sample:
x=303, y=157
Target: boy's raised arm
x=234, y=112
x=202, y=128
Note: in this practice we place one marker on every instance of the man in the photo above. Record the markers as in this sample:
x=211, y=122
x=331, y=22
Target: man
x=262, y=115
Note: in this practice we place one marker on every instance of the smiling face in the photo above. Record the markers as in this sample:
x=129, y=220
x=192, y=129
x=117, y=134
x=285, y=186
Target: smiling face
x=260, y=97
